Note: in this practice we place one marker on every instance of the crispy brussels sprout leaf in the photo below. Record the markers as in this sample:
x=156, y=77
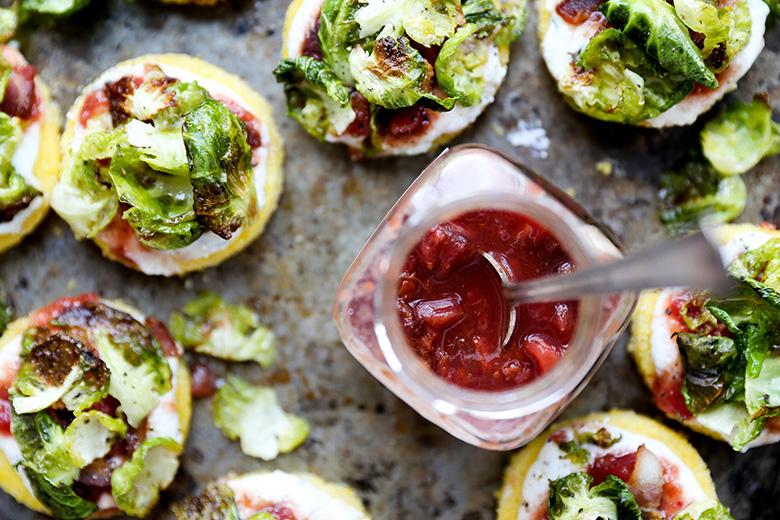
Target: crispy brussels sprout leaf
x=136, y=484
x=394, y=75
x=704, y=17
x=762, y=385
x=163, y=150
x=140, y=373
x=221, y=171
x=457, y=66
x=740, y=136
x=316, y=98
x=150, y=97
x=515, y=17
x=6, y=308
x=615, y=80
x=704, y=510
x=42, y=443
x=55, y=7
x=253, y=414
x=706, y=361
x=15, y=193
x=572, y=498
x=338, y=33
x=430, y=22
x=61, y=501
x=210, y=325
x=9, y=21
x=91, y=435
x=59, y=368
x=761, y=264
x=484, y=14
x=215, y=502
x=575, y=453
x=774, y=6
x=696, y=193
x=161, y=212
x=654, y=25
x=725, y=419
x=387, y=16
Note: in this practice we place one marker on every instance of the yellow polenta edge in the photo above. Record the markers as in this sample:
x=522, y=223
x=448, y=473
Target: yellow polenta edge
x=274, y=161
x=11, y=482
x=510, y=495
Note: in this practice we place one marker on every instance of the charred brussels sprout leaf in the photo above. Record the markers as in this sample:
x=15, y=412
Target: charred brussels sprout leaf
x=42, y=443
x=81, y=198
x=394, y=75
x=15, y=193
x=150, y=97
x=91, y=435
x=615, y=80
x=61, y=501
x=253, y=415
x=430, y=22
x=704, y=510
x=316, y=98
x=572, y=498
x=215, y=502
x=707, y=363
x=161, y=210
x=485, y=15
x=338, y=33
x=761, y=264
x=59, y=368
x=136, y=484
x=458, y=63
x=696, y=193
x=212, y=326
x=575, y=453
x=220, y=168
x=740, y=137
x=654, y=25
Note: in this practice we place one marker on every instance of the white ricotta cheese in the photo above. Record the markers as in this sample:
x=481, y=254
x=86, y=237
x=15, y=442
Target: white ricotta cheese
x=24, y=159
x=552, y=465
x=302, y=496
x=563, y=42
x=152, y=261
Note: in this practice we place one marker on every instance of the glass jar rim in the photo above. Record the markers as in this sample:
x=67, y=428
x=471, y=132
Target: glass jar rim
x=447, y=397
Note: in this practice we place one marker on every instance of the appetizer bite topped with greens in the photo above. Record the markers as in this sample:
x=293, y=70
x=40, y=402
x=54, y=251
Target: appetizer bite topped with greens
x=96, y=408
x=29, y=155
x=274, y=495
x=713, y=363
x=649, y=62
x=394, y=77
x=610, y=466
x=170, y=164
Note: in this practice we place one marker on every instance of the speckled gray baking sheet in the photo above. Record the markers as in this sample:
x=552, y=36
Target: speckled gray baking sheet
x=402, y=466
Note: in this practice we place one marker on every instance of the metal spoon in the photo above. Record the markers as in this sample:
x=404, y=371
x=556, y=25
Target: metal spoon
x=693, y=261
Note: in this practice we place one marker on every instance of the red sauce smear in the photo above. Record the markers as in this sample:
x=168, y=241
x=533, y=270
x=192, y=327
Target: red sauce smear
x=577, y=12
x=5, y=412
x=361, y=126
x=203, y=384
x=20, y=99
x=279, y=512
x=618, y=466
x=667, y=389
x=673, y=498
x=311, y=44
x=160, y=331
x=45, y=314
x=95, y=104
x=452, y=308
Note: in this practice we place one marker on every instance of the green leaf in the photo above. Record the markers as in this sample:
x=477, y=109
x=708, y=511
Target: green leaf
x=91, y=435
x=215, y=502
x=210, y=325
x=654, y=25
x=457, y=65
x=774, y=6
x=695, y=194
x=515, y=17
x=253, y=414
x=140, y=373
x=430, y=22
x=380, y=15
x=485, y=15
x=762, y=386
x=136, y=484
x=221, y=171
x=618, y=81
x=572, y=498
x=316, y=98
x=704, y=17
x=59, y=368
x=42, y=443
x=575, y=453
x=162, y=205
x=393, y=75
x=740, y=136
x=6, y=309
x=704, y=510
x=61, y=501
x=338, y=34
x=761, y=264
x=15, y=193
x=162, y=150
x=54, y=7
x=9, y=21
x=707, y=361
x=150, y=97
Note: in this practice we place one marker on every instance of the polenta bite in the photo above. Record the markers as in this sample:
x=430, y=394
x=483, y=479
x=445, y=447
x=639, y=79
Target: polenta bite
x=169, y=164
x=29, y=155
x=710, y=362
x=649, y=62
x=396, y=77
x=274, y=495
x=613, y=466
x=96, y=409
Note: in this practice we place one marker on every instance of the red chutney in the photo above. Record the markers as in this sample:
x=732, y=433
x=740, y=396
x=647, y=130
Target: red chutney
x=577, y=12
x=5, y=412
x=452, y=307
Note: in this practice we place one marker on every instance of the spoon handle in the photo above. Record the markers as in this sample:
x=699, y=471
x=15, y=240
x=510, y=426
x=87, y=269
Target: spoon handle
x=690, y=262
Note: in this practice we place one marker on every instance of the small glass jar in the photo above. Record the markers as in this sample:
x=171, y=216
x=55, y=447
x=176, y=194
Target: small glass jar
x=463, y=179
